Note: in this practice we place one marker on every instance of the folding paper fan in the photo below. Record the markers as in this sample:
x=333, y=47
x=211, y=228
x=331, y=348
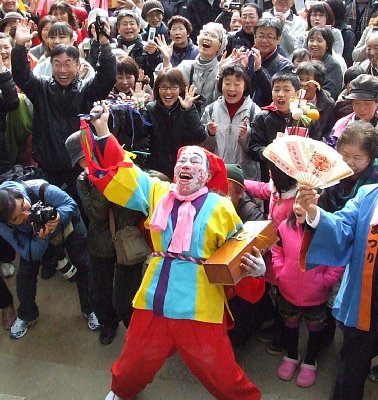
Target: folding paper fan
x=308, y=161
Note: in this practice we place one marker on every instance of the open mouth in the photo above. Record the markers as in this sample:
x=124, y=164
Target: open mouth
x=206, y=45
x=185, y=176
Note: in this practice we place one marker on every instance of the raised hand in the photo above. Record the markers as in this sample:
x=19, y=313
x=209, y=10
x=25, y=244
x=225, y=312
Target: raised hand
x=244, y=57
x=101, y=124
x=165, y=49
x=84, y=69
x=190, y=97
x=308, y=198
x=212, y=127
x=243, y=127
x=24, y=32
x=258, y=59
x=233, y=58
x=103, y=39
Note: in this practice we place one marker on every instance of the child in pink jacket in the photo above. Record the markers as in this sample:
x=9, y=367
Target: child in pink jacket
x=303, y=294
x=280, y=191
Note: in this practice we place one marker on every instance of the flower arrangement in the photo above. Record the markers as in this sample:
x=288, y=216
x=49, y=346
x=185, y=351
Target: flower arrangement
x=304, y=113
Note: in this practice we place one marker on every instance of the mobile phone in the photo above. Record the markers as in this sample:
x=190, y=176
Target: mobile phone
x=151, y=34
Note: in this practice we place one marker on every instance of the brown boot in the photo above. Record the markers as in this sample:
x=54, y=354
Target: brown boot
x=8, y=317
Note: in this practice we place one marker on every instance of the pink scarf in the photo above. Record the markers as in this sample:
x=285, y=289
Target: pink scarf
x=182, y=234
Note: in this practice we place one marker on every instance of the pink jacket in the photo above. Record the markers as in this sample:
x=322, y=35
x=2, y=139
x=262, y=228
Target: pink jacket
x=279, y=209
x=301, y=288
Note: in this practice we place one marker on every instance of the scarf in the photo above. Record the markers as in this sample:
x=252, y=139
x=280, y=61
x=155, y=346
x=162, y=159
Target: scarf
x=183, y=231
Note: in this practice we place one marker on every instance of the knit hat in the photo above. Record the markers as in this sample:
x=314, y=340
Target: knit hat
x=74, y=148
x=364, y=87
x=235, y=174
x=218, y=180
x=222, y=35
x=151, y=5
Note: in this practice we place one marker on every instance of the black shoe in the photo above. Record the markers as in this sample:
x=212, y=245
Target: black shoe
x=276, y=348
x=47, y=271
x=107, y=334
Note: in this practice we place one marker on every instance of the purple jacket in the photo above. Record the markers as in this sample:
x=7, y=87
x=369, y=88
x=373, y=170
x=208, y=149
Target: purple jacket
x=301, y=288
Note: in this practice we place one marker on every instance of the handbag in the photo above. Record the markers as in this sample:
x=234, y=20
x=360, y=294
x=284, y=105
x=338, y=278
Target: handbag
x=130, y=245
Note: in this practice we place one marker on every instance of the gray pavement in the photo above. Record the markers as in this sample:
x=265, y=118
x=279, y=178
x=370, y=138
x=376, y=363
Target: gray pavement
x=61, y=359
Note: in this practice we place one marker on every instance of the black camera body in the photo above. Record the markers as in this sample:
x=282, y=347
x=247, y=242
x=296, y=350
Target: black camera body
x=40, y=215
x=233, y=5
x=99, y=26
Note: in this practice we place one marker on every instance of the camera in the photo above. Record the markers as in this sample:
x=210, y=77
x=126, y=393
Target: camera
x=99, y=26
x=233, y=4
x=67, y=270
x=40, y=215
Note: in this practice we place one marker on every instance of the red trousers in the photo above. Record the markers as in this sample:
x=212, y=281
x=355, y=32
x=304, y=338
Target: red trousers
x=204, y=347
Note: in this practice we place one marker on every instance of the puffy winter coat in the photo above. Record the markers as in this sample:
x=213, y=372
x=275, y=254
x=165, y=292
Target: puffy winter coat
x=301, y=288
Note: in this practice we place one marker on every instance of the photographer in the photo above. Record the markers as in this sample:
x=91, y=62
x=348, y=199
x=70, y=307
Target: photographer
x=31, y=240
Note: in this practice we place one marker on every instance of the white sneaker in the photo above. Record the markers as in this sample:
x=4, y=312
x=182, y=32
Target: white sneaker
x=19, y=328
x=7, y=270
x=93, y=323
x=112, y=396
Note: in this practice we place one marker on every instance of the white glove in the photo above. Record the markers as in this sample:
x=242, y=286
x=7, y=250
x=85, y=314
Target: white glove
x=253, y=264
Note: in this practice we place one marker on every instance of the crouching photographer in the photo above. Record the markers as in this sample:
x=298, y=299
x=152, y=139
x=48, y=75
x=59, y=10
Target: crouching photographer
x=32, y=216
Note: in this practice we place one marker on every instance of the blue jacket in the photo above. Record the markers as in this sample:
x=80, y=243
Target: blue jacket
x=21, y=237
x=346, y=233
x=190, y=54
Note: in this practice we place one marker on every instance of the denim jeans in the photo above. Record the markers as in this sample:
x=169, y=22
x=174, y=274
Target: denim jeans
x=28, y=271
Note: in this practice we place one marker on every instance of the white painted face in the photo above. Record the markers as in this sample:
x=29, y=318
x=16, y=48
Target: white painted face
x=191, y=171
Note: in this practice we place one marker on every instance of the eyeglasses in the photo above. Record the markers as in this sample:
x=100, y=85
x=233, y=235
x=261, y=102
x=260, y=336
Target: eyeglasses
x=209, y=35
x=249, y=16
x=269, y=37
x=166, y=88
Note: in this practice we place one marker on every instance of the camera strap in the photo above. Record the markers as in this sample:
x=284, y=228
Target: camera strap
x=41, y=192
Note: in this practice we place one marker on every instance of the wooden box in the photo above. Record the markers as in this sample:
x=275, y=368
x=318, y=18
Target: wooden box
x=223, y=267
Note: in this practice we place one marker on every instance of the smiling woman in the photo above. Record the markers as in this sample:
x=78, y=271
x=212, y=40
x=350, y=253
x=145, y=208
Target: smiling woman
x=319, y=43
x=175, y=120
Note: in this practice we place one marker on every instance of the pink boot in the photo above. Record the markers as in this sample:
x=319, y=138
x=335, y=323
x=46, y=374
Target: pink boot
x=287, y=369
x=307, y=375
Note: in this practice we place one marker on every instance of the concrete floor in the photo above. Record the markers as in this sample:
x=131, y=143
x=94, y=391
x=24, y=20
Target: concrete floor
x=61, y=359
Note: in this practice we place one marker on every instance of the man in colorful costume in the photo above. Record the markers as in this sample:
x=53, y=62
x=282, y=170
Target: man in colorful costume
x=349, y=237
x=176, y=308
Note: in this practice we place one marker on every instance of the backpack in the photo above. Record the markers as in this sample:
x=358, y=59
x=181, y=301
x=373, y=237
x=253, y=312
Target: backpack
x=19, y=173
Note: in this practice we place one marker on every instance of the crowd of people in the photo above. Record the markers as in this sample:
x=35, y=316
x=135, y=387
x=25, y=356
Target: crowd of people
x=151, y=119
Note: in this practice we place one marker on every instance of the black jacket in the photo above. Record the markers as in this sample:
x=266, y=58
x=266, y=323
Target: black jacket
x=333, y=81
x=277, y=63
x=147, y=62
x=8, y=102
x=173, y=7
x=57, y=109
x=199, y=13
x=322, y=127
x=263, y=131
x=171, y=129
x=239, y=39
